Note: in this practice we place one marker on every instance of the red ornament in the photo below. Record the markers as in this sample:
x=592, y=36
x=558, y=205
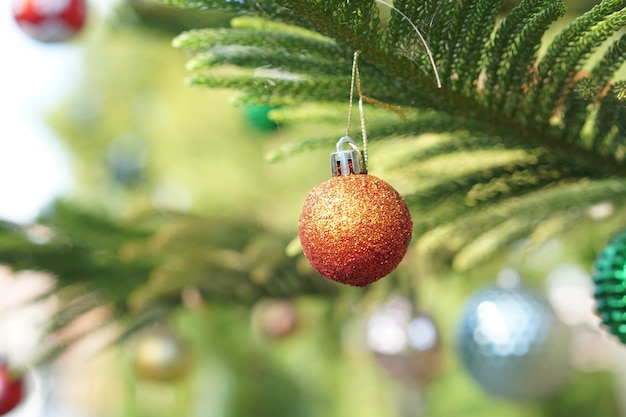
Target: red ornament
x=354, y=228
x=11, y=390
x=50, y=20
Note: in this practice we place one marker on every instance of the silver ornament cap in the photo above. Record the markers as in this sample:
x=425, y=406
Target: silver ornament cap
x=346, y=162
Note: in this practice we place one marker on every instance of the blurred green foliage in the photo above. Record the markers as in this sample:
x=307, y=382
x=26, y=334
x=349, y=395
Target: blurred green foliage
x=194, y=149
x=143, y=142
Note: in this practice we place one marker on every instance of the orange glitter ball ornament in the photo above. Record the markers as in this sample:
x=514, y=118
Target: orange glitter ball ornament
x=354, y=228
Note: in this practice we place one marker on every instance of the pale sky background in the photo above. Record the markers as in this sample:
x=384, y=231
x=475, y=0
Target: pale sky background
x=34, y=77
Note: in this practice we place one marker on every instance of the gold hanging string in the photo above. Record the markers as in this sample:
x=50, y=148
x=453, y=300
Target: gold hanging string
x=357, y=81
x=354, y=69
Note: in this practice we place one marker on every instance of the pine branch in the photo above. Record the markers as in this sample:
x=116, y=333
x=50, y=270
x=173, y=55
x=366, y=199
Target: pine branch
x=440, y=33
x=470, y=30
x=136, y=267
x=522, y=126
x=418, y=12
x=516, y=218
x=239, y=6
x=515, y=74
x=476, y=30
x=509, y=144
x=612, y=60
x=607, y=117
x=140, y=274
x=567, y=53
x=258, y=33
x=501, y=49
x=250, y=57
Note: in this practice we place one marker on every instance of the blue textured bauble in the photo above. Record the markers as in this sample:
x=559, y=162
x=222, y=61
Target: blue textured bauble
x=512, y=344
x=609, y=278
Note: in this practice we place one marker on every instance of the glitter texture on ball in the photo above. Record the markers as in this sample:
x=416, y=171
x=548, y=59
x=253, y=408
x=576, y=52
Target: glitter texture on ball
x=355, y=229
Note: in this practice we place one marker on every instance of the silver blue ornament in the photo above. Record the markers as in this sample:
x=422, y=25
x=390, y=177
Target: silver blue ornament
x=512, y=343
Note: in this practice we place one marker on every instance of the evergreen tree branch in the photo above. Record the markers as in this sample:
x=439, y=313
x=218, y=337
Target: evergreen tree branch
x=510, y=144
x=239, y=6
x=525, y=125
x=251, y=57
x=498, y=51
x=606, y=67
x=567, y=52
x=609, y=113
x=515, y=74
x=528, y=213
x=134, y=266
x=476, y=31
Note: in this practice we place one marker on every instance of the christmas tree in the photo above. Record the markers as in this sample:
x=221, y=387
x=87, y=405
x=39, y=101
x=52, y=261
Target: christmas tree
x=499, y=124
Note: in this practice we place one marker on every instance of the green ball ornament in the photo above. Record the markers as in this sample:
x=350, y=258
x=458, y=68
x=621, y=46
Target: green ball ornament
x=609, y=277
x=258, y=117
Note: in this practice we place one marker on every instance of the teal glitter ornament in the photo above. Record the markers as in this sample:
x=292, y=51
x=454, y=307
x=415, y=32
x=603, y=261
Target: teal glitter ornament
x=609, y=278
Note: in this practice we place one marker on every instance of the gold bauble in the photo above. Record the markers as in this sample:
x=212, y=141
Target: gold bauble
x=162, y=356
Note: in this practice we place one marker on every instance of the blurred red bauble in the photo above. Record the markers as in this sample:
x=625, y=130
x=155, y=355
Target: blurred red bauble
x=354, y=228
x=50, y=20
x=11, y=390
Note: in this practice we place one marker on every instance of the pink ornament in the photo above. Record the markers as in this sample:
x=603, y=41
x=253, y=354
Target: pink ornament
x=50, y=20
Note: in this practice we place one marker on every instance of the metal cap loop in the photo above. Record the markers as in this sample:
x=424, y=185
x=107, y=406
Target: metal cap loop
x=346, y=162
